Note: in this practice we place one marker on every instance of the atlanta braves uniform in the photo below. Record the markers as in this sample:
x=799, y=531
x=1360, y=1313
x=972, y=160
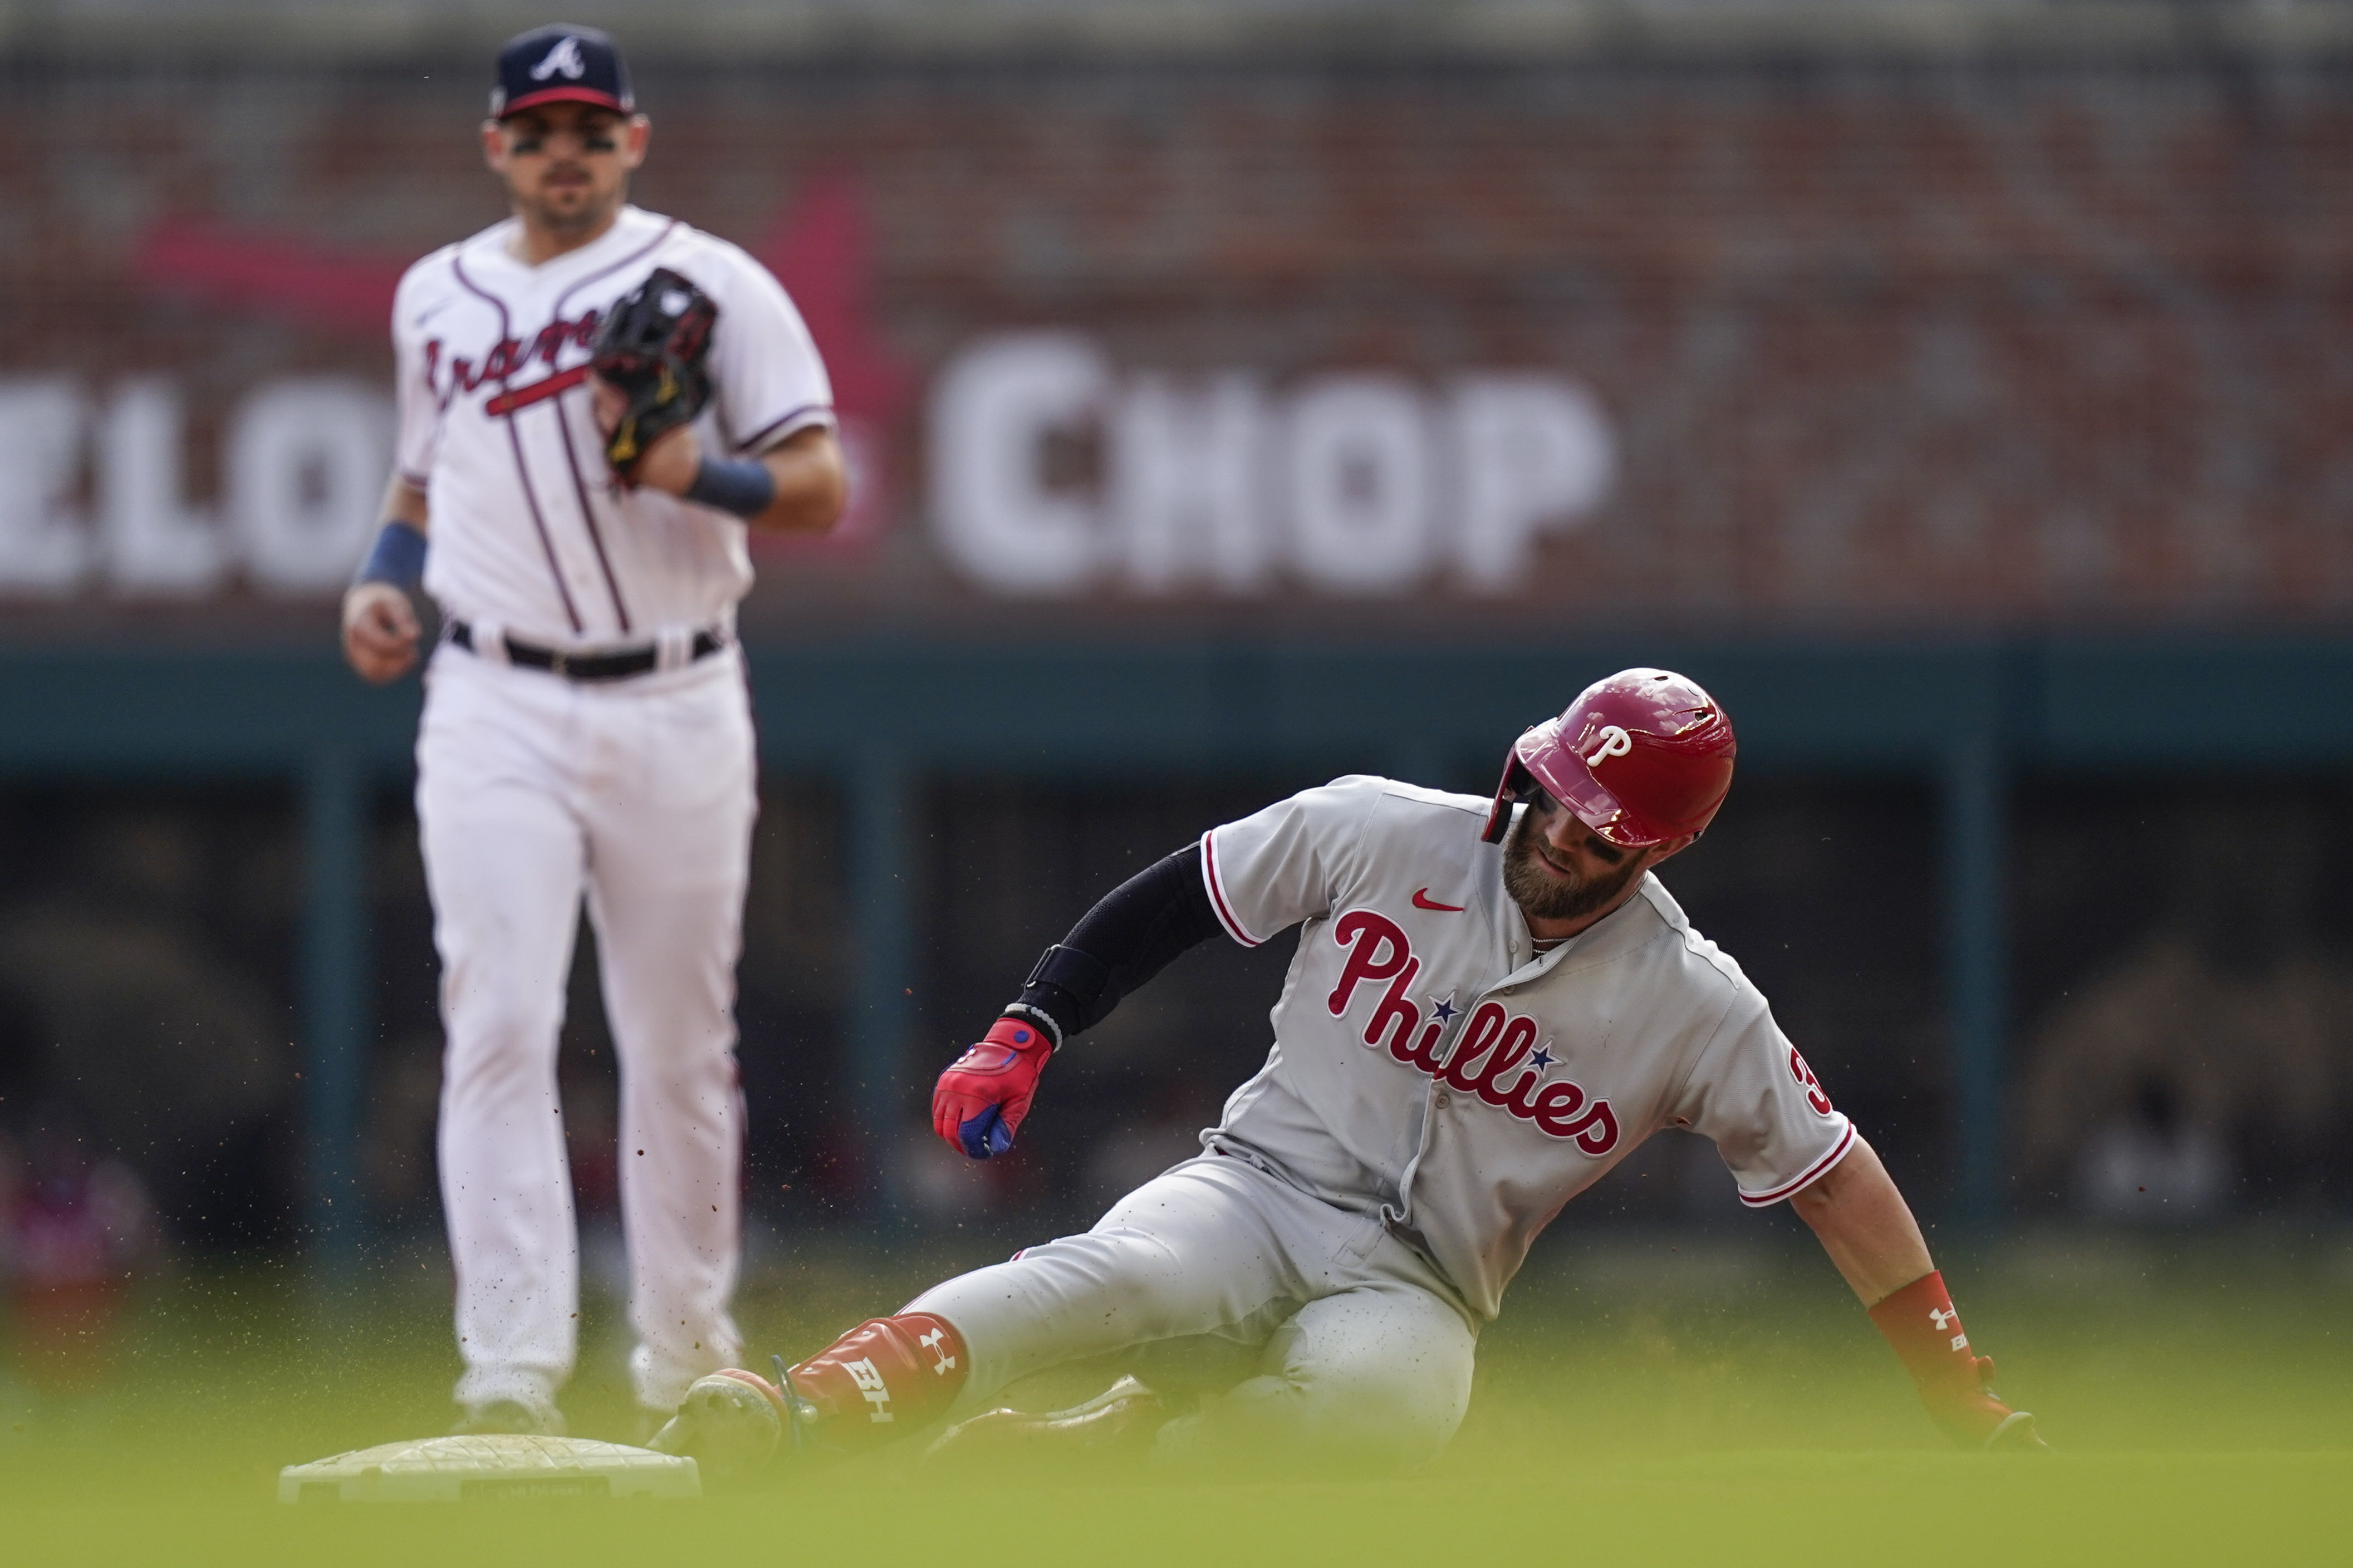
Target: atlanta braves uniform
x=1437, y=1090
x=534, y=789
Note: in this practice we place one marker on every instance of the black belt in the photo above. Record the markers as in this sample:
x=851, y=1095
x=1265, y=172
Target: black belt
x=618, y=664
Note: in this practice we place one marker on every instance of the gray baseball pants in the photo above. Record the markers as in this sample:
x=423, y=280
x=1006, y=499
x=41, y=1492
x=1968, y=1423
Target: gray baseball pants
x=1362, y=1358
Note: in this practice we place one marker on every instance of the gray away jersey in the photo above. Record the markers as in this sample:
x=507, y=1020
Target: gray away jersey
x=1429, y=1066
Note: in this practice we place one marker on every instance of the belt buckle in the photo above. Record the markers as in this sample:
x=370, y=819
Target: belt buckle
x=559, y=663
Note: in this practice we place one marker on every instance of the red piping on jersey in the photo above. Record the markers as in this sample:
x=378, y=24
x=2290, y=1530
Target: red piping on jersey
x=539, y=521
x=1763, y=1200
x=579, y=283
x=523, y=471
x=1217, y=895
x=753, y=442
x=579, y=483
x=588, y=516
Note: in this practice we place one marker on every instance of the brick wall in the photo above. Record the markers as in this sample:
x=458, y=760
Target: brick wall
x=1876, y=345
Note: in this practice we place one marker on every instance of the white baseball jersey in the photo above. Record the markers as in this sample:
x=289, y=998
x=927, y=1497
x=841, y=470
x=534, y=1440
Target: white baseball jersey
x=1429, y=1066
x=531, y=532
x=535, y=794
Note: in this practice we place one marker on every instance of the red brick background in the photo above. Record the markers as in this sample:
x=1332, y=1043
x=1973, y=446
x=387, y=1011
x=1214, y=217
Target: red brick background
x=1884, y=345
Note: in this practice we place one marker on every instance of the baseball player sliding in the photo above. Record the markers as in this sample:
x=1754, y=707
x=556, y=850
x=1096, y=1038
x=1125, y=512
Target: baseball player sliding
x=595, y=403
x=1493, y=1002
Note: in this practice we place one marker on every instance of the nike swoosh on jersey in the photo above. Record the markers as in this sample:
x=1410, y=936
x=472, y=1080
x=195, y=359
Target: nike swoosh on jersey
x=1421, y=900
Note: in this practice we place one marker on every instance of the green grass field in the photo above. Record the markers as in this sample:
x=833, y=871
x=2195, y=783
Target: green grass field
x=1645, y=1399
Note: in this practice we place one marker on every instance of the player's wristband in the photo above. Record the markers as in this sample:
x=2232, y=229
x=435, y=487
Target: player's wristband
x=743, y=486
x=1038, y=1017
x=398, y=557
x=1063, y=991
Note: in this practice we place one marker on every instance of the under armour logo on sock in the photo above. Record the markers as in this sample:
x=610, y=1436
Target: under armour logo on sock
x=931, y=1342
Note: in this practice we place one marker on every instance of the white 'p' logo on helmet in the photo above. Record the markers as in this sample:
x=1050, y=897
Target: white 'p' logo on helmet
x=1615, y=743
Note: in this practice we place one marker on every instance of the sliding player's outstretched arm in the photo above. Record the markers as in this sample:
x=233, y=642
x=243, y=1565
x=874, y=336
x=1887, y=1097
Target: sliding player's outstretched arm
x=1126, y=939
x=1869, y=1232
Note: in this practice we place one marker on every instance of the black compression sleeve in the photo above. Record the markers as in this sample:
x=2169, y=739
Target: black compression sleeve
x=1131, y=935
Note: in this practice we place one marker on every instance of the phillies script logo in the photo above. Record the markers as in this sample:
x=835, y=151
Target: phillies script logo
x=1496, y=1057
x=510, y=357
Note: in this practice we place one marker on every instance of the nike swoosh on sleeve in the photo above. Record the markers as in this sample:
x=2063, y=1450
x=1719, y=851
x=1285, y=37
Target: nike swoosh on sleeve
x=1421, y=900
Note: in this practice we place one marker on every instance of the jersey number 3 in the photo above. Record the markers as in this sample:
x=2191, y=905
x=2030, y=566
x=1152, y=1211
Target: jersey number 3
x=1813, y=1086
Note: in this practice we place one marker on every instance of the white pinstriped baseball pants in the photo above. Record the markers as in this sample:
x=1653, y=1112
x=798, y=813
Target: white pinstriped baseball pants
x=1362, y=1358
x=533, y=792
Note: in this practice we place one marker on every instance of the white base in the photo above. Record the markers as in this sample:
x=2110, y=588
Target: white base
x=501, y=1467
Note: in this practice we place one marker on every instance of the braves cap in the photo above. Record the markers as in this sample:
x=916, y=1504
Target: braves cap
x=561, y=64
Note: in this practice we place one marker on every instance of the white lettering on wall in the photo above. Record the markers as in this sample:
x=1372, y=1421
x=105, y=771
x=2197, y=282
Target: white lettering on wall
x=1350, y=484
x=302, y=471
x=306, y=466
x=1533, y=454
x=1050, y=473
x=994, y=412
x=1356, y=475
x=43, y=545
x=150, y=540
x=1185, y=483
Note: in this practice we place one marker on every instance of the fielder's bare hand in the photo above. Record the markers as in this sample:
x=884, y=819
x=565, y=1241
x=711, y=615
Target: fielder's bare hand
x=380, y=631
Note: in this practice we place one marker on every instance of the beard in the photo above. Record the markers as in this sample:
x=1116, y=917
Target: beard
x=1543, y=893
x=572, y=208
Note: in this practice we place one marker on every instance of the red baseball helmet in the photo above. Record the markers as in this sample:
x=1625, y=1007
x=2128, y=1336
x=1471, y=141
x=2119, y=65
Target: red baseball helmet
x=1641, y=757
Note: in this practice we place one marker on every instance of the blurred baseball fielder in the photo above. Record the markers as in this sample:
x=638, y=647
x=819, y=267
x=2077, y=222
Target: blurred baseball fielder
x=595, y=401
x=1493, y=1002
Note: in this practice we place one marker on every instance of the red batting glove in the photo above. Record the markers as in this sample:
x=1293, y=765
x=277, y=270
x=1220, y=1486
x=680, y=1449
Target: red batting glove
x=981, y=1098
x=1955, y=1383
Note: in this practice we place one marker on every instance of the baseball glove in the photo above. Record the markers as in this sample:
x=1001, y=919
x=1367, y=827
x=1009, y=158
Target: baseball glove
x=651, y=347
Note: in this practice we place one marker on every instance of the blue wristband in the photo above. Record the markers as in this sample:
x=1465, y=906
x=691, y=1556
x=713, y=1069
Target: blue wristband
x=398, y=557
x=743, y=486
